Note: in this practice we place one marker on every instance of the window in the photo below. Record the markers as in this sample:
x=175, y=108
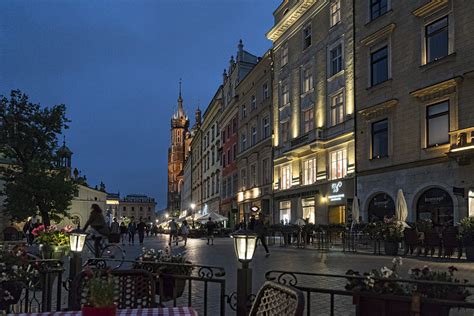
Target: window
x=254, y=102
x=380, y=139
x=266, y=127
x=229, y=157
x=253, y=175
x=228, y=131
x=309, y=208
x=337, y=109
x=285, y=212
x=217, y=182
x=234, y=126
x=234, y=148
x=212, y=132
x=307, y=36
x=265, y=171
x=379, y=66
x=307, y=80
x=213, y=159
x=243, y=142
x=285, y=94
x=208, y=184
x=244, y=112
x=437, y=124
x=213, y=184
x=254, y=135
x=224, y=187
x=235, y=182
x=285, y=131
x=309, y=171
x=335, y=12
x=377, y=8
x=338, y=164
x=243, y=179
x=308, y=120
x=208, y=138
x=284, y=54
x=437, y=39
x=223, y=136
x=229, y=186
x=285, y=177
x=266, y=95
x=223, y=160
x=335, y=57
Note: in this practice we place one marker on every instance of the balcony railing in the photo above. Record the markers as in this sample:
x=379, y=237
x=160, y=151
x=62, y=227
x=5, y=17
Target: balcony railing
x=462, y=140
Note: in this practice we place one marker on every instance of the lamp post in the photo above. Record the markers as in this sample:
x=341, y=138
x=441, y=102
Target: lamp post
x=245, y=242
x=77, y=238
x=193, y=206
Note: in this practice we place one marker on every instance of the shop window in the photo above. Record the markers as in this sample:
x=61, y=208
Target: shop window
x=285, y=212
x=436, y=205
x=309, y=210
x=337, y=214
x=380, y=206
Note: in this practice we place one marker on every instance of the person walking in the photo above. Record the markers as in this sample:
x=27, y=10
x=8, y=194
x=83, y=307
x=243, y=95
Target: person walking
x=259, y=228
x=210, y=226
x=141, y=231
x=185, y=231
x=132, y=229
x=173, y=231
x=123, y=232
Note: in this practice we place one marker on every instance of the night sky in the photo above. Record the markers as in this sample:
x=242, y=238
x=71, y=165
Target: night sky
x=116, y=65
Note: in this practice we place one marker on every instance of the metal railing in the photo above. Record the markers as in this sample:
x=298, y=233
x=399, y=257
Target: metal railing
x=322, y=289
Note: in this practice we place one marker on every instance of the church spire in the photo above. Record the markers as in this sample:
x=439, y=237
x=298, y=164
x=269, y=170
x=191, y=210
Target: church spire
x=180, y=102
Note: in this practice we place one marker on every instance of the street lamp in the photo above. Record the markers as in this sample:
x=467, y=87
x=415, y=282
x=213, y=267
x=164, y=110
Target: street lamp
x=193, y=206
x=245, y=242
x=77, y=239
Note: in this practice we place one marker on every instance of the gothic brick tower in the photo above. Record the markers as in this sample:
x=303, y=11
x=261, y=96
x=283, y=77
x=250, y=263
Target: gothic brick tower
x=176, y=156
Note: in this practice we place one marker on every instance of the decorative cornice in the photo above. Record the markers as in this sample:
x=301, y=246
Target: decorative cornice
x=289, y=19
x=444, y=87
x=382, y=33
x=430, y=7
x=377, y=109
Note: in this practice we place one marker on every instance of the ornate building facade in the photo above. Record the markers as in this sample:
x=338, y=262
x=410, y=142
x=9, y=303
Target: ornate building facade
x=177, y=154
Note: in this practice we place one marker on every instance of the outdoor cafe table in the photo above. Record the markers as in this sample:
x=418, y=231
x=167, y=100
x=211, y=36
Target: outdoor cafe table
x=165, y=311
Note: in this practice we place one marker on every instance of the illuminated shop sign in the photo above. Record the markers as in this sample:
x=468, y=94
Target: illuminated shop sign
x=335, y=188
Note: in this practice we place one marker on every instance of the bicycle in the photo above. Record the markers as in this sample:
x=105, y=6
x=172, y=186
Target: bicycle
x=108, y=252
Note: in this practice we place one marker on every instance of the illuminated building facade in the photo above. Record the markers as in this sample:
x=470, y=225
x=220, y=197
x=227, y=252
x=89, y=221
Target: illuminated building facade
x=254, y=158
x=415, y=122
x=313, y=111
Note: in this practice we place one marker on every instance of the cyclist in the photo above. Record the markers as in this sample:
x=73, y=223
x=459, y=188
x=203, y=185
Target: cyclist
x=99, y=227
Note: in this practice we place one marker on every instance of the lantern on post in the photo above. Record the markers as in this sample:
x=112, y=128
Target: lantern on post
x=77, y=239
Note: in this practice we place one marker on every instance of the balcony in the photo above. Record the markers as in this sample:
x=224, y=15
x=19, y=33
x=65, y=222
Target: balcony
x=462, y=145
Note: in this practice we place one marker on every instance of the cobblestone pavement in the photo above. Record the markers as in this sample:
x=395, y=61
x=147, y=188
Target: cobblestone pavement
x=291, y=259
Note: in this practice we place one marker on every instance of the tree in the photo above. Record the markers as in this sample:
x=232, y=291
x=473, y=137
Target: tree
x=34, y=183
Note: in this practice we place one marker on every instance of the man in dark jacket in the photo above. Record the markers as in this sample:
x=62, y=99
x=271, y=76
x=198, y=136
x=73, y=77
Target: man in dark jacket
x=141, y=231
x=257, y=225
x=132, y=228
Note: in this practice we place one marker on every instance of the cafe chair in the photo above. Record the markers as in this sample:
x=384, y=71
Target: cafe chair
x=277, y=299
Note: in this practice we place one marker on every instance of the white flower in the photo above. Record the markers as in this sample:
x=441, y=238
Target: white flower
x=397, y=261
x=386, y=272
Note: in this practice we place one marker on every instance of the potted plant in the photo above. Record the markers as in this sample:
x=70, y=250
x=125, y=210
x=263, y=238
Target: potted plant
x=53, y=242
x=467, y=236
x=380, y=293
x=14, y=271
x=392, y=234
x=101, y=295
x=164, y=265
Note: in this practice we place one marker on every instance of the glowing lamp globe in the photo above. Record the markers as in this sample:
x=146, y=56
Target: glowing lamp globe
x=244, y=245
x=77, y=238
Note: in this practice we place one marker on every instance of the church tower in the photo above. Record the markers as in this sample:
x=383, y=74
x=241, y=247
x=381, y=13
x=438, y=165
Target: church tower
x=176, y=156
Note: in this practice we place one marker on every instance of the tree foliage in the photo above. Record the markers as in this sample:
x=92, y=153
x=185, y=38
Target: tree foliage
x=28, y=140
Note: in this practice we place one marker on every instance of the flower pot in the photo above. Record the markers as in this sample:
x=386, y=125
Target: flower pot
x=391, y=248
x=14, y=289
x=99, y=311
x=168, y=287
x=470, y=253
x=52, y=252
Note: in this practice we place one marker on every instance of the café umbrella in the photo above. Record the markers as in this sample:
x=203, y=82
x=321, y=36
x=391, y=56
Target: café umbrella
x=401, y=209
x=355, y=210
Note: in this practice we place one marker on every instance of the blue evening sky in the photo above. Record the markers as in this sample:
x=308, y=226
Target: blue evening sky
x=116, y=65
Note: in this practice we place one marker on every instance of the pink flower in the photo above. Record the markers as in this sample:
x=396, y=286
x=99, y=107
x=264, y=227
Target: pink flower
x=67, y=229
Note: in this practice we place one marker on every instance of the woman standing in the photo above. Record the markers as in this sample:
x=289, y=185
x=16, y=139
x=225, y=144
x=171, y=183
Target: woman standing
x=123, y=232
x=185, y=231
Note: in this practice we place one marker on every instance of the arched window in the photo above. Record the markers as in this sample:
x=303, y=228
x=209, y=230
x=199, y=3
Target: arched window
x=437, y=205
x=380, y=206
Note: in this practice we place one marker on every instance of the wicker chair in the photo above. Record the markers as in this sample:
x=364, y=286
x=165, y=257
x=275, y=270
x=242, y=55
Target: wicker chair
x=133, y=289
x=277, y=299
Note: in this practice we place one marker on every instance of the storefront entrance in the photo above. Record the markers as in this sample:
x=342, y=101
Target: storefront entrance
x=437, y=205
x=380, y=206
x=337, y=214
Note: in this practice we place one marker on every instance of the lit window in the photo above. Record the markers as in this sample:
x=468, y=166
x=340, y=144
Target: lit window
x=309, y=209
x=338, y=164
x=266, y=127
x=337, y=109
x=437, y=40
x=307, y=36
x=284, y=55
x=285, y=94
x=308, y=120
x=377, y=8
x=335, y=12
x=309, y=171
x=285, y=177
x=379, y=66
x=336, y=60
x=285, y=212
x=307, y=80
x=254, y=102
x=380, y=139
x=437, y=124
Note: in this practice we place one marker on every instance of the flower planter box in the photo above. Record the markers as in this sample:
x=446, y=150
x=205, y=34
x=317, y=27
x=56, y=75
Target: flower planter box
x=99, y=311
x=53, y=252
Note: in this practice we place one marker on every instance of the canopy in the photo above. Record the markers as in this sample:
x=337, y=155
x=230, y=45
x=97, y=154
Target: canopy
x=213, y=215
x=401, y=209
